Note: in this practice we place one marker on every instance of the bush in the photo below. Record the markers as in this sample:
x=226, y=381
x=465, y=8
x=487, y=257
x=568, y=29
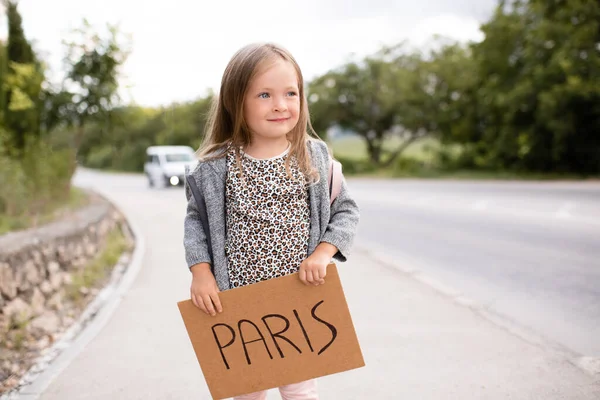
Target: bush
x=352, y=166
x=410, y=166
x=100, y=157
x=12, y=180
x=34, y=182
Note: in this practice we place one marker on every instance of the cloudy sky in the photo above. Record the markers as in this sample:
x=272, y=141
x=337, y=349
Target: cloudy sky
x=180, y=47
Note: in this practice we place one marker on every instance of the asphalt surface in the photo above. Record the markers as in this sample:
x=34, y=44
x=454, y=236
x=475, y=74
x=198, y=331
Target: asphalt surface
x=529, y=251
x=525, y=251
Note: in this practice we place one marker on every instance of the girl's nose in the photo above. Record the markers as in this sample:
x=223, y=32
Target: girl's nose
x=280, y=104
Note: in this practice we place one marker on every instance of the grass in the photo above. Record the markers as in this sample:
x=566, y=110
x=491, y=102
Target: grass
x=19, y=339
x=99, y=268
x=354, y=148
x=419, y=161
x=481, y=175
x=14, y=332
x=77, y=199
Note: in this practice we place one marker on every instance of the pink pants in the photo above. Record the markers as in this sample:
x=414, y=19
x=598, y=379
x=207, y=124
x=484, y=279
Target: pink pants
x=306, y=390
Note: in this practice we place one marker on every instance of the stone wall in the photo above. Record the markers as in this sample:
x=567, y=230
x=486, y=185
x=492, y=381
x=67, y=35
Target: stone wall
x=36, y=265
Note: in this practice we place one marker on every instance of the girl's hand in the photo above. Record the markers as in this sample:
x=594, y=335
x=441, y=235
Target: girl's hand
x=314, y=268
x=204, y=291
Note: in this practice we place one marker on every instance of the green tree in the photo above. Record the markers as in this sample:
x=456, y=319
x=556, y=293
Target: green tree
x=183, y=124
x=566, y=79
x=539, y=87
x=433, y=97
x=360, y=97
x=120, y=143
x=58, y=109
x=22, y=83
x=395, y=92
x=451, y=74
x=93, y=68
x=3, y=75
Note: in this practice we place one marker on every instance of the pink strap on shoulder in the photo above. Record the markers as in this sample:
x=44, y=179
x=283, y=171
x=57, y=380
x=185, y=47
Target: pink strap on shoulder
x=335, y=179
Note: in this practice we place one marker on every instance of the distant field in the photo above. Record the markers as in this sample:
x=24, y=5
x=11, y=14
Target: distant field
x=418, y=161
x=353, y=147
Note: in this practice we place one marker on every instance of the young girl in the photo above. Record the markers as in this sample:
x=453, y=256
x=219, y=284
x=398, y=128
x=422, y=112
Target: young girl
x=265, y=186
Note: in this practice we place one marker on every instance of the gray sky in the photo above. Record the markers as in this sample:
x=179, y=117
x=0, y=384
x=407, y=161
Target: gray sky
x=180, y=47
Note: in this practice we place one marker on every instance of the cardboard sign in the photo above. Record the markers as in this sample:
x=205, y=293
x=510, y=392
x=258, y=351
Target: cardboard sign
x=273, y=333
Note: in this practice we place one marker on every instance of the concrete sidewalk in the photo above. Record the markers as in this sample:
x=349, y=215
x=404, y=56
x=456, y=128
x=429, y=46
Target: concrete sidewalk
x=418, y=343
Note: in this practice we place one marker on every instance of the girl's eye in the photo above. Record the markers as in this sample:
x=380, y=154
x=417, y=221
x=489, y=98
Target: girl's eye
x=264, y=95
x=292, y=93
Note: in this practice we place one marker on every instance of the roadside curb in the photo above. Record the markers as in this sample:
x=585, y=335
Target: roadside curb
x=91, y=321
x=589, y=365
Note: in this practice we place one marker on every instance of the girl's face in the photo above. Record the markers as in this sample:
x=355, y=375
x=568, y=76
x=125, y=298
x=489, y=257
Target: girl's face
x=272, y=103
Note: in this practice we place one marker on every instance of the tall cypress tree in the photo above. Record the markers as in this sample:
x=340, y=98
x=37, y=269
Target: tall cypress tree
x=24, y=77
x=3, y=72
x=19, y=49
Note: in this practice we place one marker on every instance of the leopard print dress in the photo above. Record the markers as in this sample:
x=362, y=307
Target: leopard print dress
x=268, y=218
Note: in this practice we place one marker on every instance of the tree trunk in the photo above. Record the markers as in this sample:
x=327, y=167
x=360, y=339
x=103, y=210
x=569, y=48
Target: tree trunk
x=79, y=131
x=374, y=150
x=399, y=151
x=78, y=136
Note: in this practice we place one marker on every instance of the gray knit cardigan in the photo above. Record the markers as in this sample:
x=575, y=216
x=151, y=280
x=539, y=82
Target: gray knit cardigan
x=335, y=223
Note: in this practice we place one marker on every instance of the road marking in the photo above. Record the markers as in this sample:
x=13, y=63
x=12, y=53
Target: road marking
x=446, y=204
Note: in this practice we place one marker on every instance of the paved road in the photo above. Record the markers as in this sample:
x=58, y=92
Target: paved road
x=529, y=251
x=417, y=343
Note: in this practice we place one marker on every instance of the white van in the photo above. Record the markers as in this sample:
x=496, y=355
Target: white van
x=165, y=165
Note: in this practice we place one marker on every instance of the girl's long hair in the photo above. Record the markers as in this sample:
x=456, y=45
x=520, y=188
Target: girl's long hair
x=226, y=124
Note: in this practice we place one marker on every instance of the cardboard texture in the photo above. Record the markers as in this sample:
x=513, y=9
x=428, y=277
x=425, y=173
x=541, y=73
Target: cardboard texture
x=273, y=333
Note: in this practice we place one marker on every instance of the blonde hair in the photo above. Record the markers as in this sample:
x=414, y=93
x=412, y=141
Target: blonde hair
x=226, y=124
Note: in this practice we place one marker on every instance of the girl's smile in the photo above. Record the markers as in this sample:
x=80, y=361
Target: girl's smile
x=279, y=119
